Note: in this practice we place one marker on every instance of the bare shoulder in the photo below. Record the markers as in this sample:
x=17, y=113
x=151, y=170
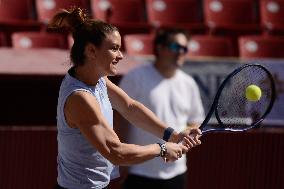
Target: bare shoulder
x=79, y=98
x=81, y=107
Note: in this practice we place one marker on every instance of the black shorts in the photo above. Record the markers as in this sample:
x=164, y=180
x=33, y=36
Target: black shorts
x=60, y=187
x=135, y=181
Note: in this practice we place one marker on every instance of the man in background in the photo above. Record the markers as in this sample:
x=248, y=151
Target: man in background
x=174, y=97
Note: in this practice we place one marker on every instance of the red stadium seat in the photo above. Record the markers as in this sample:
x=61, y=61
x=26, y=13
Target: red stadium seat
x=14, y=10
x=17, y=15
x=232, y=17
x=38, y=40
x=116, y=11
x=261, y=46
x=139, y=44
x=128, y=15
x=272, y=15
x=185, y=14
x=46, y=9
x=214, y=46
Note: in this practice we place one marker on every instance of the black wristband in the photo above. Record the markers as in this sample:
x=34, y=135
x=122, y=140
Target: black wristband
x=167, y=133
x=163, y=151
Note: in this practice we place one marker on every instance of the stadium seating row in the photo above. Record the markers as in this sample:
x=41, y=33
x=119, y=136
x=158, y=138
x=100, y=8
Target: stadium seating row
x=222, y=22
x=139, y=16
x=249, y=46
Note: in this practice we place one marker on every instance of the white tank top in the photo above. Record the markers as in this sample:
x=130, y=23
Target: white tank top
x=80, y=165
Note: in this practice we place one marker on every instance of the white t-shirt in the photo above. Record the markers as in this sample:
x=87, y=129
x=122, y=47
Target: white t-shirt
x=176, y=101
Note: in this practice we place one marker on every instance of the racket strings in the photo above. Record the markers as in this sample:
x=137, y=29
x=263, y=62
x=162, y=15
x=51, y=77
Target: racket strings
x=233, y=109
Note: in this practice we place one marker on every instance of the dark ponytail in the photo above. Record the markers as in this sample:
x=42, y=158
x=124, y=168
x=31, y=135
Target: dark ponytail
x=83, y=29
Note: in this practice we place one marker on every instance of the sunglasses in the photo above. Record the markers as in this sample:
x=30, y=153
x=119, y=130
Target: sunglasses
x=177, y=48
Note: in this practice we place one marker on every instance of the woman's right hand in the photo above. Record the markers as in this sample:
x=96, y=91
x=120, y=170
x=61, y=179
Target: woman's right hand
x=174, y=151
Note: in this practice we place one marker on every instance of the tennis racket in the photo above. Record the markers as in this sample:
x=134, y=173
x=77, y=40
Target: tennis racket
x=233, y=112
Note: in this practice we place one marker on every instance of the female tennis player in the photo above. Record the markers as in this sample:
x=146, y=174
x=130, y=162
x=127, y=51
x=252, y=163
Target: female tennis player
x=88, y=148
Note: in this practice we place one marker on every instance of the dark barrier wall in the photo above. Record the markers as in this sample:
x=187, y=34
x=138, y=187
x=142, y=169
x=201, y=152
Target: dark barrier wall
x=28, y=157
x=29, y=99
x=224, y=160
x=238, y=160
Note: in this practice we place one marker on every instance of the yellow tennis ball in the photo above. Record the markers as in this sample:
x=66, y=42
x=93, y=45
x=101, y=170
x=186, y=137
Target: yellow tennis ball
x=253, y=93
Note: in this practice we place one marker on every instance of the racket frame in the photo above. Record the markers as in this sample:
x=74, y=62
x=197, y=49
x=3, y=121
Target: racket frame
x=218, y=94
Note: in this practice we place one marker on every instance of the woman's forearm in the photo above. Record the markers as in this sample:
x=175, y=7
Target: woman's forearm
x=128, y=154
x=140, y=116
